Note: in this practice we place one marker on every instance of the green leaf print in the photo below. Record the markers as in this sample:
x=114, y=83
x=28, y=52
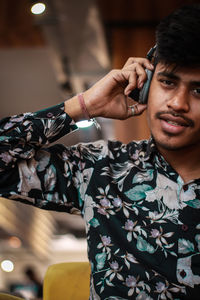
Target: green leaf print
x=142, y=245
x=143, y=176
x=185, y=246
x=94, y=222
x=193, y=203
x=138, y=192
x=100, y=259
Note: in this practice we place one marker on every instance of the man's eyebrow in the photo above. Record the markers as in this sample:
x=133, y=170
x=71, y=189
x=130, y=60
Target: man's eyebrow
x=170, y=75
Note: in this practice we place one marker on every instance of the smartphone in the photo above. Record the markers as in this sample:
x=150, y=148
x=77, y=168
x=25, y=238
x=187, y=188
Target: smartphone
x=141, y=96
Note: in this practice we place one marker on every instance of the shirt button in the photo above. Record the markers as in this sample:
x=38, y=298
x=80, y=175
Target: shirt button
x=183, y=273
x=184, y=227
x=49, y=115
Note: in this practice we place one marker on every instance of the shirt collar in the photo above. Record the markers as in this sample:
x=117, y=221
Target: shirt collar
x=159, y=161
x=161, y=164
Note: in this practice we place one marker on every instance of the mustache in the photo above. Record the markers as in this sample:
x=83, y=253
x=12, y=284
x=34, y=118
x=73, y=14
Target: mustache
x=174, y=114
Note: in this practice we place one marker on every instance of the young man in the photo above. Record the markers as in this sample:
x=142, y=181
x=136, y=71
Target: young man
x=140, y=201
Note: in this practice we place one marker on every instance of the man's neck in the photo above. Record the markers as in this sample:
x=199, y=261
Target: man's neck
x=185, y=161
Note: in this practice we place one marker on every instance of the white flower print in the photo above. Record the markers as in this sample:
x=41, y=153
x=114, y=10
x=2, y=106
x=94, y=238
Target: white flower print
x=105, y=207
x=51, y=129
x=125, y=206
x=117, y=202
x=28, y=176
x=128, y=257
x=96, y=150
x=89, y=205
x=161, y=239
x=139, y=157
x=161, y=287
x=189, y=194
x=164, y=290
x=105, y=243
x=140, y=177
x=82, y=179
x=114, y=271
x=143, y=296
x=8, y=125
x=166, y=190
x=131, y=227
x=133, y=283
x=164, y=215
x=155, y=233
x=118, y=172
x=155, y=216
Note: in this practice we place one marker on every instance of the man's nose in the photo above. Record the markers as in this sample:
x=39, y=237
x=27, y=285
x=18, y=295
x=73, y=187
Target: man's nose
x=179, y=100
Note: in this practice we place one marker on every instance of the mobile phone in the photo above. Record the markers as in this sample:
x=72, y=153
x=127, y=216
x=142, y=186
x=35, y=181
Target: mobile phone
x=141, y=96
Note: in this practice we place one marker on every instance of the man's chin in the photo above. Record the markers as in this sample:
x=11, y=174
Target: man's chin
x=169, y=145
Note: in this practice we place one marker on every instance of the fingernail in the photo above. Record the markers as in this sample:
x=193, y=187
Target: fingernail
x=127, y=92
x=140, y=84
x=151, y=66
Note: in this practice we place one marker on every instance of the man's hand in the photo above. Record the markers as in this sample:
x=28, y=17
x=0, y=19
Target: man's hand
x=108, y=98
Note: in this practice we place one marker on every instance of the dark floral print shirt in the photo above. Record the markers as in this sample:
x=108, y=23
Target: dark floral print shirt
x=142, y=221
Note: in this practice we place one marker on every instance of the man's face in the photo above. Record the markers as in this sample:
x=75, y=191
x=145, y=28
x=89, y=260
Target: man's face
x=174, y=107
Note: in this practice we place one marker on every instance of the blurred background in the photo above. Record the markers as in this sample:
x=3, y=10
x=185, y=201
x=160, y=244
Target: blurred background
x=48, y=53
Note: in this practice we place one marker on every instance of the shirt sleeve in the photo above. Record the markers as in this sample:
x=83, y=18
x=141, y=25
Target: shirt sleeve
x=36, y=173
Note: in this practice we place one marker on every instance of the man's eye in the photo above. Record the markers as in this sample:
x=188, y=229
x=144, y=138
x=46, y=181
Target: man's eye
x=166, y=82
x=197, y=91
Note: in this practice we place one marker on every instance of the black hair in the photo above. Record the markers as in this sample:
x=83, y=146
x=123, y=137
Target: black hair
x=178, y=37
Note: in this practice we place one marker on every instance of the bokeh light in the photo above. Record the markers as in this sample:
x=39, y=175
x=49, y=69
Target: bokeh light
x=84, y=123
x=7, y=265
x=14, y=242
x=38, y=8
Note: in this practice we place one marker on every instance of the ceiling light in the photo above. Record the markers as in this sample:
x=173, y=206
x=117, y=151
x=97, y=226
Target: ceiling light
x=7, y=265
x=38, y=8
x=14, y=242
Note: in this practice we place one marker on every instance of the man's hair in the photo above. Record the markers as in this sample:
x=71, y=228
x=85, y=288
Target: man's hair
x=178, y=37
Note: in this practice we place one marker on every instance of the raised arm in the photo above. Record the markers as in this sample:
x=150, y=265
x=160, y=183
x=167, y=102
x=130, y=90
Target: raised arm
x=56, y=177
x=108, y=98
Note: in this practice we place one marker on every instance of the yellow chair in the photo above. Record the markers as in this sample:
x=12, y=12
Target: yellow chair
x=67, y=281
x=9, y=297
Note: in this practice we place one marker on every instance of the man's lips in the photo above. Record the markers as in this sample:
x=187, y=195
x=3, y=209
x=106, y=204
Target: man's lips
x=172, y=123
x=175, y=119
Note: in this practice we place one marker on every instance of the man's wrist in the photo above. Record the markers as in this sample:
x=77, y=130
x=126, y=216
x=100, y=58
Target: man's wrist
x=73, y=109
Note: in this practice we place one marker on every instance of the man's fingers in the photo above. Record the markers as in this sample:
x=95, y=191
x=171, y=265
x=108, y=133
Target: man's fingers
x=136, y=78
x=142, y=61
x=132, y=75
x=132, y=81
x=137, y=75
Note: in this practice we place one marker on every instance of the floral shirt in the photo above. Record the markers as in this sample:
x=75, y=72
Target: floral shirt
x=142, y=221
